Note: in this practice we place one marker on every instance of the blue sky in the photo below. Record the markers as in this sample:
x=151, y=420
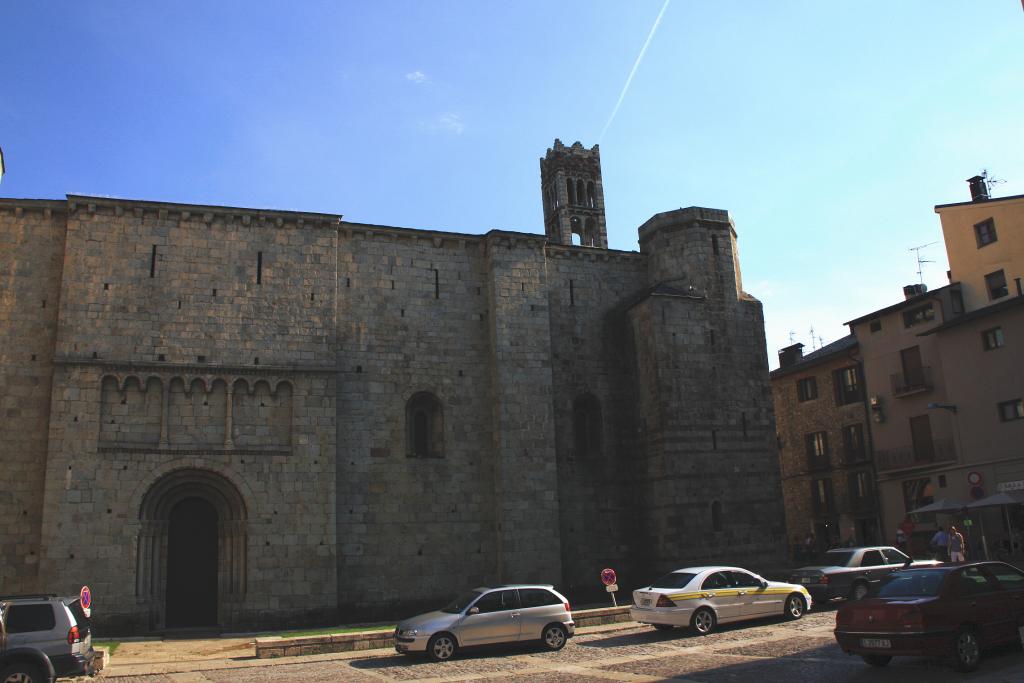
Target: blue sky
x=828, y=129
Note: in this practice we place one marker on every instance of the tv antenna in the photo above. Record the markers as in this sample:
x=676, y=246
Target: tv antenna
x=989, y=182
x=921, y=261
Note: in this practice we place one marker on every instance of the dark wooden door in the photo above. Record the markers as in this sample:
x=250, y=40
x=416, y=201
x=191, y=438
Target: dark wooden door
x=192, y=565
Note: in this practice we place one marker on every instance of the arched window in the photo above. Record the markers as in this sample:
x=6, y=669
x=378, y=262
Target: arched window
x=716, y=515
x=587, y=427
x=591, y=196
x=424, y=426
x=570, y=187
x=589, y=234
x=576, y=229
x=581, y=192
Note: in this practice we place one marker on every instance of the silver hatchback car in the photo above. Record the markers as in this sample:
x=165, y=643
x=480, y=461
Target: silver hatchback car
x=483, y=616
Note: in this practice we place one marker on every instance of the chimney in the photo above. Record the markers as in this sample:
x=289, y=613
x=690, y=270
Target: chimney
x=790, y=355
x=910, y=291
x=979, y=188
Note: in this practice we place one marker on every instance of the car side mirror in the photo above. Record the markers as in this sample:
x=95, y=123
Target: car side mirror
x=764, y=584
x=473, y=610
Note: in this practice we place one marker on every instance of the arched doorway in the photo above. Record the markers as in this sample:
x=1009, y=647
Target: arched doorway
x=192, y=550
x=192, y=564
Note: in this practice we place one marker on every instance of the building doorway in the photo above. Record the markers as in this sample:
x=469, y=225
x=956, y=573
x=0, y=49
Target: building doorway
x=192, y=551
x=192, y=564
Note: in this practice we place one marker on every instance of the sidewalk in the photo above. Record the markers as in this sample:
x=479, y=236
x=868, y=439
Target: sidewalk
x=184, y=656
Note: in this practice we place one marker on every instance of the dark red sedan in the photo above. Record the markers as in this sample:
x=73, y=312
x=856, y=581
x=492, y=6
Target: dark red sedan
x=949, y=611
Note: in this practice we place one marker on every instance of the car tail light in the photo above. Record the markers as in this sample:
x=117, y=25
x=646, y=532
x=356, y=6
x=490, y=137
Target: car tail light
x=73, y=636
x=911, y=618
x=663, y=601
x=566, y=606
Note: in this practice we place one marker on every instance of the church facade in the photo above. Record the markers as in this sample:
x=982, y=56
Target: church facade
x=230, y=417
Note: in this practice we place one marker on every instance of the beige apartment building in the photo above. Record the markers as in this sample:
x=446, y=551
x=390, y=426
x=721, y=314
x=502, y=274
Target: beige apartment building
x=945, y=379
x=828, y=482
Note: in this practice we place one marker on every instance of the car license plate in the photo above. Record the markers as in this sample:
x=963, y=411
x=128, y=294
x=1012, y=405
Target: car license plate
x=805, y=579
x=645, y=602
x=877, y=643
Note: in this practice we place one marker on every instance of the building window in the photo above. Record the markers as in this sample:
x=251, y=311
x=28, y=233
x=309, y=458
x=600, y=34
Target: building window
x=587, y=427
x=1011, y=410
x=985, y=232
x=995, y=283
x=806, y=389
x=917, y=493
x=847, y=383
x=817, y=450
x=918, y=315
x=853, y=442
x=921, y=437
x=424, y=426
x=992, y=339
x=821, y=495
x=875, y=326
x=860, y=487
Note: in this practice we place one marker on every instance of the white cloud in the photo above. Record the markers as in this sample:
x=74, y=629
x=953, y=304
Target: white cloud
x=417, y=77
x=451, y=122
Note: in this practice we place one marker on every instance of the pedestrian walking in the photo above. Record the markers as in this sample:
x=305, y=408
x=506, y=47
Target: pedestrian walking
x=940, y=545
x=956, y=545
x=901, y=539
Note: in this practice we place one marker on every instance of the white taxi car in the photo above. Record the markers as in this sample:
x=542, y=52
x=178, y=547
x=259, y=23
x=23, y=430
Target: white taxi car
x=703, y=597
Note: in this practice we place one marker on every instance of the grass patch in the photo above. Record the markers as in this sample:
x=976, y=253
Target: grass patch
x=110, y=645
x=324, y=631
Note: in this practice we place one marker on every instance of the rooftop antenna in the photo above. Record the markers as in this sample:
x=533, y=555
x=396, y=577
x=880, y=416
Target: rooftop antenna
x=989, y=182
x=792, y=337
x=813, y=338
x=921, y=261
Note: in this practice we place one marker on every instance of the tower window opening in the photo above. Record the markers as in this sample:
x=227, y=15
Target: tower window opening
x=714, y=244
x=571, y=189
x=581, y=192
x=424, y=426
x=591, y=195
x=259, y=267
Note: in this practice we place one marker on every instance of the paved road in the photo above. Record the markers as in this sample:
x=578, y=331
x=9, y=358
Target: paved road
x=755, y=652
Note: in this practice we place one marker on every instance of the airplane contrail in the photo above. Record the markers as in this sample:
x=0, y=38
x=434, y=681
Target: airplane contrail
x=636, y=64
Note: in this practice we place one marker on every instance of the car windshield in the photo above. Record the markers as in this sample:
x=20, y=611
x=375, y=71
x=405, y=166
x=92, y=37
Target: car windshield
x=674, y=580
x=460, y=603
x=916, y=584
x=834, y=558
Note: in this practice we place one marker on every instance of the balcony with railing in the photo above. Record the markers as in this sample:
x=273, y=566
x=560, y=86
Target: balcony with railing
x=913, y=382
x=939, y=451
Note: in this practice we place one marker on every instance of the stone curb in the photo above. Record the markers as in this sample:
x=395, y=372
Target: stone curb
x=268, y=648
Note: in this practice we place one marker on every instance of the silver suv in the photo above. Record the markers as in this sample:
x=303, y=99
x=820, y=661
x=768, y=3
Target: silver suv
x=44, y=637
x=501, y=614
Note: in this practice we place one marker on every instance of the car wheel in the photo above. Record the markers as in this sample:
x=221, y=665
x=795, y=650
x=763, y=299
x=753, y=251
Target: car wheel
x=795, y=607
x=22, y=672
x=966, y=650
x=663, y=627
x=441, y=647
x=554, y=637
x=703, y=621
x=859, y=590
x=877, y=660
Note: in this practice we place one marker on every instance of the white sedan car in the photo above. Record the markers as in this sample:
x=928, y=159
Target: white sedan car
x=703, y=597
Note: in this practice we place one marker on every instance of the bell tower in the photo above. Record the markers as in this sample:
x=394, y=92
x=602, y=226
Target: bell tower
x=570, y=184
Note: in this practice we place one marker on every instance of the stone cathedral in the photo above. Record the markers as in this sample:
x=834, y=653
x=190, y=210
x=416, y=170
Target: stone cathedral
x=243, y=418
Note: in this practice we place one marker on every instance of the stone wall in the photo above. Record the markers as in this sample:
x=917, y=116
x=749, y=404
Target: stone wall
x=31, y=259
x=413, y=318
x=207, y=362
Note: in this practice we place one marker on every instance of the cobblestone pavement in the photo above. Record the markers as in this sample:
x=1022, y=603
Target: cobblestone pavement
x=757, y=652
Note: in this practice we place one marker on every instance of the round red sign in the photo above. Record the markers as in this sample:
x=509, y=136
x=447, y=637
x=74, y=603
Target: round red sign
x=608, y=577
x=85, y=595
